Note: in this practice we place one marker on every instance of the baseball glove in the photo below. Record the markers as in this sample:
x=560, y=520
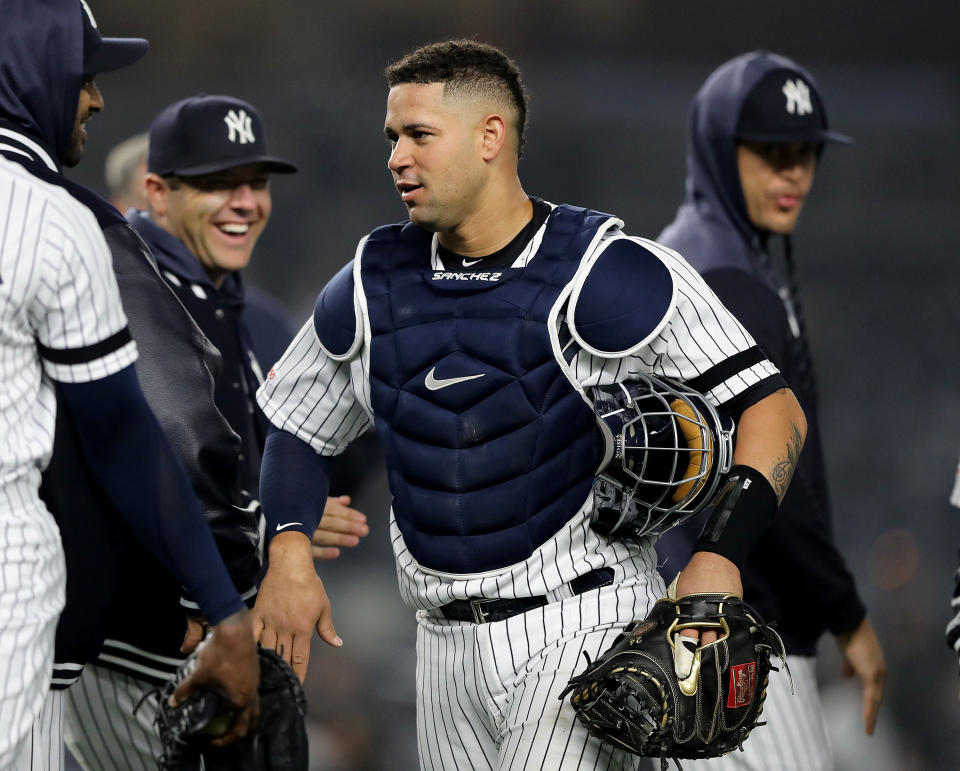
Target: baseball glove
x=278, y=743
x=657, y=694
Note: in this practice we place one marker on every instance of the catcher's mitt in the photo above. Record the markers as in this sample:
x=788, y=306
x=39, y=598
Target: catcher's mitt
x=633, y=697
x=278, y=743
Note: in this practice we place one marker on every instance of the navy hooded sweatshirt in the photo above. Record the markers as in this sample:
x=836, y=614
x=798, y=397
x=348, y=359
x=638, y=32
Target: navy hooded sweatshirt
x=795, y=574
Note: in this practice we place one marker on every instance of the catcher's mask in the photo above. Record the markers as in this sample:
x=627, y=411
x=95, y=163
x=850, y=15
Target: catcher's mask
x=666, y=448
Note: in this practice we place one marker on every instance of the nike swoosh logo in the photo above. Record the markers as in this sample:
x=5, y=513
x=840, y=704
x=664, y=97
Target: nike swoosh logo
x=435, y=384
x=289, y=524
x=467, y=263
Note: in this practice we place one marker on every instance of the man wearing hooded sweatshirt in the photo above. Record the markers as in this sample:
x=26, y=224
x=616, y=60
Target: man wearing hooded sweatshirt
x=757, y=131
x=111, y=459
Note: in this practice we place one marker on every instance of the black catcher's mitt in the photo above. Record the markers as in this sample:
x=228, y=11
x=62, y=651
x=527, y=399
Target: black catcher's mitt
x=633, y=697
x=278, y=743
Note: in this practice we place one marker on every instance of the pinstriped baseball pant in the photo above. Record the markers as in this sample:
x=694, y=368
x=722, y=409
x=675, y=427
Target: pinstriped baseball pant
x=45, y=749
x=32, y=593
x=109, y=723
x=487, y=694
x=795, y=737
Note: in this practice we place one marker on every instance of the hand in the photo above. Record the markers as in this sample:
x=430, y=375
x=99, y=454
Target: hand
x=291, y=603
x=196, y=629
x=339, y=526
x=227, y=662
x=707, y=572
x=862, y=656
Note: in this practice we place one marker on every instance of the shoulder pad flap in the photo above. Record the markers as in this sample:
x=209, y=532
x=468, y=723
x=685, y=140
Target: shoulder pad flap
x=335, y=316
x=621, y=299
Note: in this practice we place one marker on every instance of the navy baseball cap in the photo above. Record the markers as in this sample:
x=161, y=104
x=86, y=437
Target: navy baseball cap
x=105, y=54
x=785, y=107
x=205, y=134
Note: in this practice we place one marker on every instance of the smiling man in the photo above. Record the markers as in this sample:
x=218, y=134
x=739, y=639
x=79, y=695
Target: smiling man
x=209, y=196
x=757, y=133
x=208, y=206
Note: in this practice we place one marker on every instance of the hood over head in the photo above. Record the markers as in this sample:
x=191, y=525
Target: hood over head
x=758, y=96
x=46, y=49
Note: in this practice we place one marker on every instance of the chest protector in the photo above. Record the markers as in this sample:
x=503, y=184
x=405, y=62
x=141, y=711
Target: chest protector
x=490, y=450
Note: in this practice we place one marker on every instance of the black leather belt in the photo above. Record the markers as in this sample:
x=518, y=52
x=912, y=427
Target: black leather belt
x=481, y=611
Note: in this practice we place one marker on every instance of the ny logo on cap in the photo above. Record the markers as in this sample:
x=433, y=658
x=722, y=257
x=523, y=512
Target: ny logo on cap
x=798, y=97
x=241, y=127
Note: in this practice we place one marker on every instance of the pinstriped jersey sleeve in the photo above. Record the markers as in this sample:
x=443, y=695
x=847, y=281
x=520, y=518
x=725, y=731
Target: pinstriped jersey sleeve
x=702, y=344
x=313, y=397
x=703, y=341
x=76, y=312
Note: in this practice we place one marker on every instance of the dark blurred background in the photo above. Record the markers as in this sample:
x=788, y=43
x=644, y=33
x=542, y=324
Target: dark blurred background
x=878, y=248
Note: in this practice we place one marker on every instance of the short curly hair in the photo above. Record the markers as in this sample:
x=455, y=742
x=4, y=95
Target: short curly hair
x=466, y=66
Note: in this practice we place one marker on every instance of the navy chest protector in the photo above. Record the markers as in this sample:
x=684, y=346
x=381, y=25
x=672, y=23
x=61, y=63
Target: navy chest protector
x=490, y=449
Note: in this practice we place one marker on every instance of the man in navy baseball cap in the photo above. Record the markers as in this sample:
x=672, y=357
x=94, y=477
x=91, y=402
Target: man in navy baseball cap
x=209, y=200
x=46, y=101
x=207, y=184
x=758, y=128
x=100, y=54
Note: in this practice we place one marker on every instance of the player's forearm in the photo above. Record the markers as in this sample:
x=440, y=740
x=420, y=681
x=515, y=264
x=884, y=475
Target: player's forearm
x=770, y=437
x=294, y=483
x=133, y=462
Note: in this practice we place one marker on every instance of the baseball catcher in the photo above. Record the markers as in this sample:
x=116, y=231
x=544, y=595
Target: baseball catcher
x=656, y=692
x=189, y=731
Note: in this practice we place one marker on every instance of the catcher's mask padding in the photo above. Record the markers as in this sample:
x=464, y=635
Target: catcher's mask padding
x=701, y=458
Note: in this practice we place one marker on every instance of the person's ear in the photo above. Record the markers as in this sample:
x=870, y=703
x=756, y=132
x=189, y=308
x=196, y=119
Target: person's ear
x=494, y=136
x=157, y=189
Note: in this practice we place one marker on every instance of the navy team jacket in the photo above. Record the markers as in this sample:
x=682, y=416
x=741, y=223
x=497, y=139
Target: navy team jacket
x=225, y=316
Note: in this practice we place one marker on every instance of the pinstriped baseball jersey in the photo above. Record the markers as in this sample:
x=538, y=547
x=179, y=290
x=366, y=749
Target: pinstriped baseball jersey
x=327, y=404
x=60, y=319
x=59, y=310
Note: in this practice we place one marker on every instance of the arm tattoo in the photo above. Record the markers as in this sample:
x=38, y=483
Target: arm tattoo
x=783, y=470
